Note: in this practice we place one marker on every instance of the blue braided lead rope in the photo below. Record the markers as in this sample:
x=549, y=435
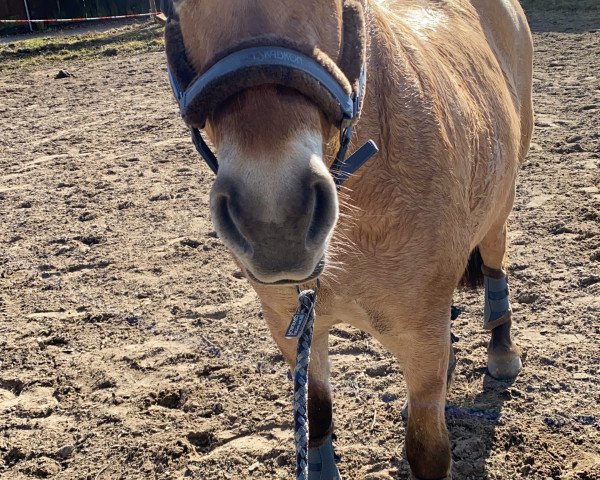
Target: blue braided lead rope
x=301, y=433
x=302, y=327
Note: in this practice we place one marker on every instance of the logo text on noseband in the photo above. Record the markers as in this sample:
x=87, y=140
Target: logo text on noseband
x=281, y=55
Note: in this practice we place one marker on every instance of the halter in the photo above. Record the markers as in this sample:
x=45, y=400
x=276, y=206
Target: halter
x=338, y=91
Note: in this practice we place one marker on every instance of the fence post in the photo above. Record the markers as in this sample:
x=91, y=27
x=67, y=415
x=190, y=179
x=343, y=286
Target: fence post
x=28, y=16
x=152, y=6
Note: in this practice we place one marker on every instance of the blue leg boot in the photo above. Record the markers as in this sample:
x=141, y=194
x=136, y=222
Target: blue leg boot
x=322, y=462
x=504, y=358
x=497, y=305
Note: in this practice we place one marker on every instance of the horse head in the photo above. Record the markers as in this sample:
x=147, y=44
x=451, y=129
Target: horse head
x=274, y=201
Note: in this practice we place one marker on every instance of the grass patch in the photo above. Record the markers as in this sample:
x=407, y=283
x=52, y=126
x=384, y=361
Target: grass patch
x=135, y=38
x=554, y=5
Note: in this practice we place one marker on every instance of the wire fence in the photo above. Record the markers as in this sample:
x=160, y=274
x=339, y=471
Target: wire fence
x=36, y=14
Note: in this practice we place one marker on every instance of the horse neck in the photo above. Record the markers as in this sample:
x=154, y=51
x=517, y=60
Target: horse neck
x=384, y=77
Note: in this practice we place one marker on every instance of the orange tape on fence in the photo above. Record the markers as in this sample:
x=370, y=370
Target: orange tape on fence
x=82, y=19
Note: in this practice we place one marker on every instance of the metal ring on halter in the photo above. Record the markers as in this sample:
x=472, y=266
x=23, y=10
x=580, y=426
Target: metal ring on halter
x=316, y=290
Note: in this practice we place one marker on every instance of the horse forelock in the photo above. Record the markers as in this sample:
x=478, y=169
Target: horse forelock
x=264, y=118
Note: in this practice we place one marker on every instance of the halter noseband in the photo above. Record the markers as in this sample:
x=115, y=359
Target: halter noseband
x=270, y=60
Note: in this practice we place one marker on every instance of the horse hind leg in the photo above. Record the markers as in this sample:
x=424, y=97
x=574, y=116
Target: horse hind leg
x=504, y=358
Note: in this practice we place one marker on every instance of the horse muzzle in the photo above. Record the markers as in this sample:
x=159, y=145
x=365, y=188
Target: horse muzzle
x=277, y=224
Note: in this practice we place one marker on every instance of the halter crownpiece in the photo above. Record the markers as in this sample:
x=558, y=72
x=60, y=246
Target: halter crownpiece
x=267, y=60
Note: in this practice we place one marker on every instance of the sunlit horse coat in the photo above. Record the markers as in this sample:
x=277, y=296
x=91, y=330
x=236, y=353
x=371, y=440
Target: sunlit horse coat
x=448, y=101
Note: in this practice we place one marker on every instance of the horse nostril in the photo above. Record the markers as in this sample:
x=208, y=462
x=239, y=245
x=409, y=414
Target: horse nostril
x=227, y=225
x=323, y=215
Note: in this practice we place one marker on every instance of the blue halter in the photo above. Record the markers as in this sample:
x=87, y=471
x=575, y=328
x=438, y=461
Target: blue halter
x=276, y=56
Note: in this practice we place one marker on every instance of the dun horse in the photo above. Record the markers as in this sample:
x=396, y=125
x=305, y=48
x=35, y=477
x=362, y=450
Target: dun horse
x=447, y=98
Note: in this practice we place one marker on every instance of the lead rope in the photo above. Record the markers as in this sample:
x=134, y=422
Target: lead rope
x=301, y=328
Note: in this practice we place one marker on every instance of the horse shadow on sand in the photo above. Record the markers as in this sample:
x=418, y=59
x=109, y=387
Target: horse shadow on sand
x=575, y=21
x=472, y=423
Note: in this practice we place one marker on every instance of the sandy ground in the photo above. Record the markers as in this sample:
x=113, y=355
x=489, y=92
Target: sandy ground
x=131, y=348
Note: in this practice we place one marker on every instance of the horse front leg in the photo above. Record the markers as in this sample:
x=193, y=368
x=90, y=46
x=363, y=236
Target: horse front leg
x=427, y=443
x=424, y=354
x=321, y=456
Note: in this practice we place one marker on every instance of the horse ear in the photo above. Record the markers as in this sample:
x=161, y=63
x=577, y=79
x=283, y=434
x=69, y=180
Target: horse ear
x=176, y=55
x=354, y=46
x=166, y=6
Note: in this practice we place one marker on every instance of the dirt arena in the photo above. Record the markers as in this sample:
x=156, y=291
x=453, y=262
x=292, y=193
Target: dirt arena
x=130, y=346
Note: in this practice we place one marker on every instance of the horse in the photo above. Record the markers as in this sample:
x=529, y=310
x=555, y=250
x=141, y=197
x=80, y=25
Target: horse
x=444, y=87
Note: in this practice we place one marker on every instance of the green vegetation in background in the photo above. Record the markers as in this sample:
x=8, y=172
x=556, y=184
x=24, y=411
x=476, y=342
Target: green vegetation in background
x=548, y=5
x=142, y=37
x=135, y=38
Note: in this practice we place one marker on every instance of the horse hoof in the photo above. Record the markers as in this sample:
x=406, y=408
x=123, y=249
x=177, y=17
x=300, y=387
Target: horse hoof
x=404, y=411
x=504, y=367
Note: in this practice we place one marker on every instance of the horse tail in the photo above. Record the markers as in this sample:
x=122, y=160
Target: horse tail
x=473, y=276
